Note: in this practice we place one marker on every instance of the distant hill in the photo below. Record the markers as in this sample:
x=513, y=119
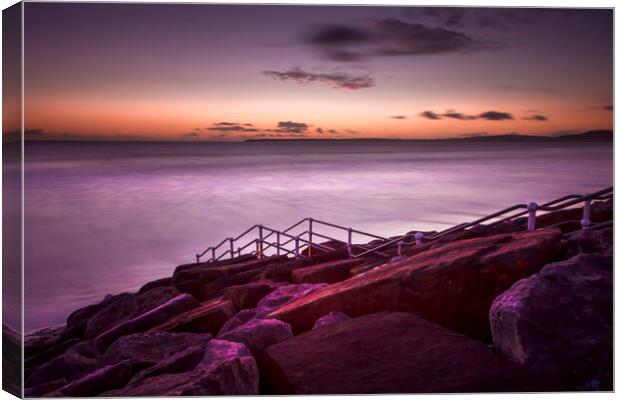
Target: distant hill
x=602, y=136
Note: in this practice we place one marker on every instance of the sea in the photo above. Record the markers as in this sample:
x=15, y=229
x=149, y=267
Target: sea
x=107, y=217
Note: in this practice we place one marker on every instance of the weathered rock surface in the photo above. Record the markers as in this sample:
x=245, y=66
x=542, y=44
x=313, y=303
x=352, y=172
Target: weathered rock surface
x=69, y=366
x=149, y=349
x=193, y=279
x=226, y=368
x=589, y=241
x=120, y=308
x=238, y=319
x=332, y=318
x=559, y=322
x=452, y=286
x=258, y=334
x=165, y=282
x=329, y=272
x=386, y=353
x=248, y=295
x=208, y=317
x=285, y=295
x=149, y=319
x=105, y=378
x=220, y=285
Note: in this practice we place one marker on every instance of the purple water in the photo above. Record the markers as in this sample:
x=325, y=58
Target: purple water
x=107, y=217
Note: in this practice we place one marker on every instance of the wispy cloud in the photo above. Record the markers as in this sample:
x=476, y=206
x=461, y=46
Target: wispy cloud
x=336, y=80
x=398, y=117
x=451, y=114
x=536, y=117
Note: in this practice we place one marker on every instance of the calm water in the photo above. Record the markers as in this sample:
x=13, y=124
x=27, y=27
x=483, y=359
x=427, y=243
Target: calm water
x=105, y=218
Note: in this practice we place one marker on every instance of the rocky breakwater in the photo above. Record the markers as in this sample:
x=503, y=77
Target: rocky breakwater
x=492, y=310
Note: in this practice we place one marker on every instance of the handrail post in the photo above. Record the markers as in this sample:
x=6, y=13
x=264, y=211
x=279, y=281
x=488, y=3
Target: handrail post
x=197, y=259
x=232, y=247
x=531, y=218
x=259, y=249
x=400, y=248
x=278, y=241
x=350, y=241
x=212, y=254
x=296, y=246
x=238, y=251
x=310, y=236
x=585, y=221
x=418, y=238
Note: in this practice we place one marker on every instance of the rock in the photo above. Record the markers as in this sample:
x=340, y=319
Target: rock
x=589, y=241
x=181, y=361
x=44, y=388
x=40, y=340
x=258, y=334
x=11, y=360
x=48, y=354
x=69, y=366
x=165, y=282
x=192, y=280
x=239, y=319
x=203, y=265
x=85, y=348
x=285, y=295
x=559, y=322
x=248, y=295
x=105, y=378
x=149, y=319
x=452, y=286
x=337, y=246
x=282, y=272
x=226, y=369
x=329, y=272
x=208, y=317
x=220, y=285
x=121, y=308
x=332, y=318
x=149, y=349
x=386, y=352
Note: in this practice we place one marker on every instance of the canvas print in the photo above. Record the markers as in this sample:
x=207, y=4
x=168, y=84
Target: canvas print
x=233, y=199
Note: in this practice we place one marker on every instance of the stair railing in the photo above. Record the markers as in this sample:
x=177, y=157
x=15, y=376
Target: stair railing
x=280, y=241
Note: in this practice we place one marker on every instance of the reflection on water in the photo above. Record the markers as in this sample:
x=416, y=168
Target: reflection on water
x=107, y=217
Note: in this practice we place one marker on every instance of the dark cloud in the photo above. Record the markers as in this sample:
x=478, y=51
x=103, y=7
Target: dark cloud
x=457, y=115
x=332, y=131
x=290, y=127
x=232, y=127
x=336, y=80
x=319, y=130
x=390, y=37
x=471, y=17
x=536, y=117
x=398, y=117
x=495, y=116
x=429, y=115
x=451, y=114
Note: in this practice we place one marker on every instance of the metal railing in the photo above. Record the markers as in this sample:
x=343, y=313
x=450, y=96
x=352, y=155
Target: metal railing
x=290, y=241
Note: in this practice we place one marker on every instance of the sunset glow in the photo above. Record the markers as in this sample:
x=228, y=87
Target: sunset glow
x=177, y=72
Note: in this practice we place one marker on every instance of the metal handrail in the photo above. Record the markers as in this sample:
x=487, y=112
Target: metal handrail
x=280, y=246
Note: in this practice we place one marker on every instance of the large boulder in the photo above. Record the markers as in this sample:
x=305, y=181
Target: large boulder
x=453, y=285
x=118, y=309
x=328, y=272
x=208, y=317
x=165, y=282
x=248, y=295
x=258, y=334
x=149, y=349
x=589, y=241
x=220, y=285
x=149, y=319
x=559, y=322
x=193, y=279
x=226, y=368
x=386, y=352
x=238, y=319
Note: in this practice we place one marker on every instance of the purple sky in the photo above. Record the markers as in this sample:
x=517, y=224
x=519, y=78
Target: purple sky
x=213, y=72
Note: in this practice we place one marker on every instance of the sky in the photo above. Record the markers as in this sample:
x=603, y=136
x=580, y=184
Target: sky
x=236, y=72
